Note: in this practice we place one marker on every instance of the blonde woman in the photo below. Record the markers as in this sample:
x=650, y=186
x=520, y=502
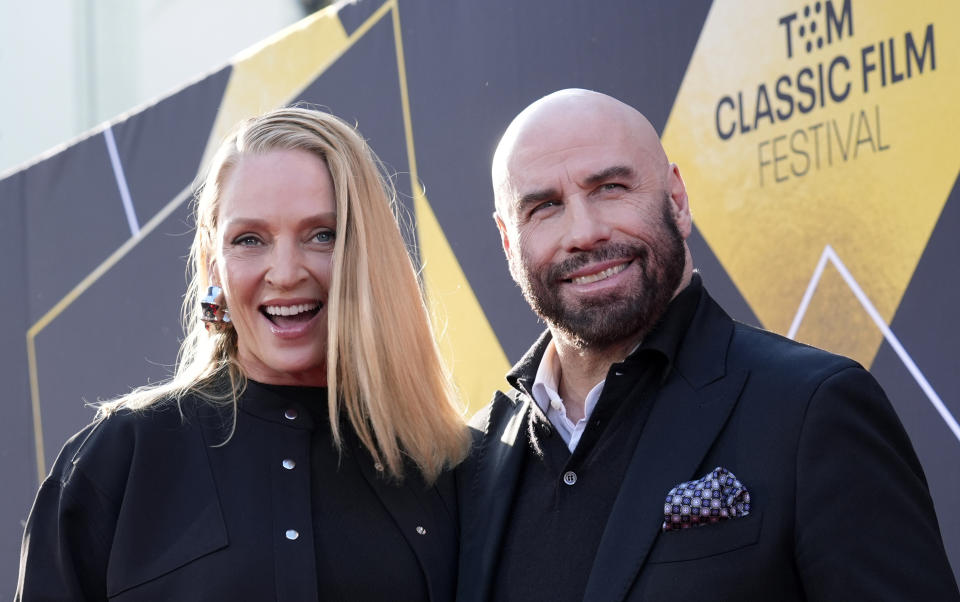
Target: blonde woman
x=302, y=449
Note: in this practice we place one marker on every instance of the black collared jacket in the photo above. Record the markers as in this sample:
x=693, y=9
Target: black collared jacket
x=151, y=505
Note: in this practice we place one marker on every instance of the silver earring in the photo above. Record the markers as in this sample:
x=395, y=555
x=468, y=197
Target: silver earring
x=213, y=307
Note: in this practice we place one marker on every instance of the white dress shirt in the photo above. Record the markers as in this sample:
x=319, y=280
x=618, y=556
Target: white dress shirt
x=545, y=387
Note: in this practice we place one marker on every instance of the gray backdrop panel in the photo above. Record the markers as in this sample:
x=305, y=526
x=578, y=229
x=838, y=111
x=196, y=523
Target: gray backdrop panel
x=17, y=465
x=471, y=66
x=121, y=333
x=161, y=148
x=352, y=15
x=927, y=327
x=74, y=220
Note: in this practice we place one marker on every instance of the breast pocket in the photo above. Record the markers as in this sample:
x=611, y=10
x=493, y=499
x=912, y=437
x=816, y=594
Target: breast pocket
x=708, y=540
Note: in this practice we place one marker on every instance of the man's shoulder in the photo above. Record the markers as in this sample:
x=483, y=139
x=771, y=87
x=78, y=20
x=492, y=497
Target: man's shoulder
x=790, y=376
x=715, y=336
x=756, y=348
x=499, y=411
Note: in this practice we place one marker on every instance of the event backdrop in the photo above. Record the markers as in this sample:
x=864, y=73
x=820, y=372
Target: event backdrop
x=818, y=141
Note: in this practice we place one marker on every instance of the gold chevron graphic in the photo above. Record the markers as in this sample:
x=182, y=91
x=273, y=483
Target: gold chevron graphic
x=861, y=161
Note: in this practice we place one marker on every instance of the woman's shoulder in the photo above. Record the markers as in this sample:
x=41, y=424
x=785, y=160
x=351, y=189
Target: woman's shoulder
x=132, y=495
x=107, y=450
x=127, y=425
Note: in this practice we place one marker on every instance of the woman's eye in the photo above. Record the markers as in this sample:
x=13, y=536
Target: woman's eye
x=246, y=240
x=324, y=236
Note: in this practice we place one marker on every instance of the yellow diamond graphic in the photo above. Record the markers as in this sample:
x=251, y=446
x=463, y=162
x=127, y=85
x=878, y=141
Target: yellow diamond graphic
x=803, y=125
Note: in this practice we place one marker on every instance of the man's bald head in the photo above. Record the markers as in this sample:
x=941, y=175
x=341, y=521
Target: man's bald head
x=592, y=217
x=570, y=117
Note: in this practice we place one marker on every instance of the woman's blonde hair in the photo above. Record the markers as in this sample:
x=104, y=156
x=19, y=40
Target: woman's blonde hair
x=383, y=366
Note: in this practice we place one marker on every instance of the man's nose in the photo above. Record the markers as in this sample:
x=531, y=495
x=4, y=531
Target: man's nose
x=287, y=268
x=585, y=225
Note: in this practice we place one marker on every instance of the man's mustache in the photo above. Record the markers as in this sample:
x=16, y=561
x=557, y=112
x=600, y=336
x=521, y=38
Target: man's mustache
x=559, y=271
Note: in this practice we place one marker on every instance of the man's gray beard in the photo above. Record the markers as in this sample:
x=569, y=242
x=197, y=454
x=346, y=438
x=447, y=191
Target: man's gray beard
x=605, y=320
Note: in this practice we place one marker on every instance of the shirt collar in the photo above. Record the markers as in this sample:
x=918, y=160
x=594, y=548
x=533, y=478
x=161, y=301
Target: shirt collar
x=664, y=339
x=546, y=384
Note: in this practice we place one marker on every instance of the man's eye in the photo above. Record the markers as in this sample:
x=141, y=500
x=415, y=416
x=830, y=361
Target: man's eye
x=544, y=205
x=612, y=186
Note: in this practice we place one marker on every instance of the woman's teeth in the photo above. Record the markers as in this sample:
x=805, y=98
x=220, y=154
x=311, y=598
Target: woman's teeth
x=600, y=275
x=289, y=310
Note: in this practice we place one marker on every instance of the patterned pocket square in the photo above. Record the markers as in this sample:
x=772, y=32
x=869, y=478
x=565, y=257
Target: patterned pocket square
x=717, y=496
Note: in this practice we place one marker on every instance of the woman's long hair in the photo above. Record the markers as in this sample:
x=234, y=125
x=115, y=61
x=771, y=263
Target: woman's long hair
x=383, y=366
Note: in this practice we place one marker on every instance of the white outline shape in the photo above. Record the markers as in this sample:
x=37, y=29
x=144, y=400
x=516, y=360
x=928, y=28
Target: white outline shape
x=830, y=255
x=121, y=181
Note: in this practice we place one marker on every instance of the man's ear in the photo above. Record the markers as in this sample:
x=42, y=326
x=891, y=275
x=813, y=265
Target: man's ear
x=504, y=235
x=680, y=204
x=505, y=241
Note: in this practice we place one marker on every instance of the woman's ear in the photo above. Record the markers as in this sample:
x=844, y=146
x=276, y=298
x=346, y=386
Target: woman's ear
x=213, y=274
x=212, y=277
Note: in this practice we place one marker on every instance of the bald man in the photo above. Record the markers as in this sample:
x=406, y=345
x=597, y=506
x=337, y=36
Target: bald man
x=651, y=448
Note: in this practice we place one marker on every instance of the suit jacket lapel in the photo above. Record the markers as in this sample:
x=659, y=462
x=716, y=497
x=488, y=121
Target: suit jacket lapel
x=425, y=521
x=490, y=496
x=689, y=413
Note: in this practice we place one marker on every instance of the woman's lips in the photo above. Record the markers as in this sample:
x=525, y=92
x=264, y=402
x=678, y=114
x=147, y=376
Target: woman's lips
x=291, y=321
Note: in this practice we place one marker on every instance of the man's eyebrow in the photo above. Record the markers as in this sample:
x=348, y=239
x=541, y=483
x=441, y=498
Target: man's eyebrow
x=537, y=197
x=610, y=173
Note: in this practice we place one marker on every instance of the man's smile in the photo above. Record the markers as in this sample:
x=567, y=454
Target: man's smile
x=601, y=275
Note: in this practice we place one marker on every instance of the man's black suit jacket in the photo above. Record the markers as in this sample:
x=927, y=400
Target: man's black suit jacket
x=840, y=509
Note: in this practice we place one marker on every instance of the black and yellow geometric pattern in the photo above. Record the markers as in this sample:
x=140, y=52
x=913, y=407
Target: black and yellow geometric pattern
x=817, y=140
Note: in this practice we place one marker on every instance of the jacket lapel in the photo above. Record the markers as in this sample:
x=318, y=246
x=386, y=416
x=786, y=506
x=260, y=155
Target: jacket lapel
x=425, y=521
x=488, y=497
x=691, y=410
x=491, y=478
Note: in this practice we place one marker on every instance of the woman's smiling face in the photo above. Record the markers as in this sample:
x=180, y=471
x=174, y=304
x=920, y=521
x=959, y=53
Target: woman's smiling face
x=276, y=230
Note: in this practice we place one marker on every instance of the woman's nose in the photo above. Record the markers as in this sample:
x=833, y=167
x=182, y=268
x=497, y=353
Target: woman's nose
x=286, y=268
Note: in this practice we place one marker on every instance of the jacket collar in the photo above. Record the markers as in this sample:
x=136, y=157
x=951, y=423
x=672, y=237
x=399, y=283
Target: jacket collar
x=523, y=373
x=665, y=337
x=295, y=407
